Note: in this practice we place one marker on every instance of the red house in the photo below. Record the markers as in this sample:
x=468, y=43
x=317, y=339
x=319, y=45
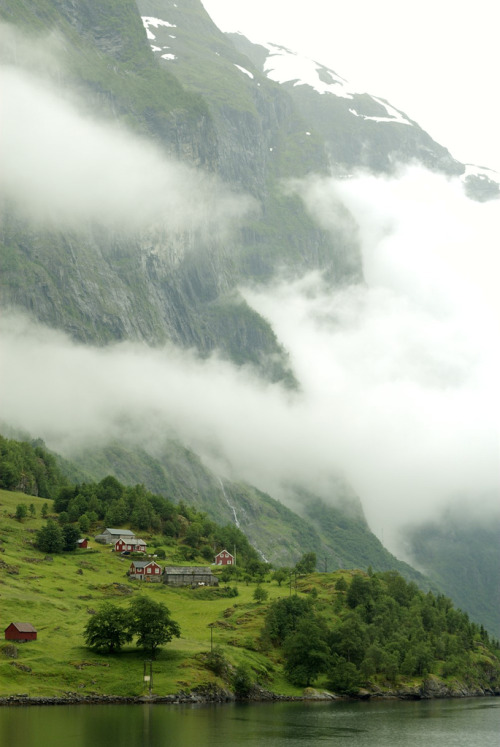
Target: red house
x=145, y=570
x=131, y=544
x=82, y=543
x=224, y=558
x=20, y=632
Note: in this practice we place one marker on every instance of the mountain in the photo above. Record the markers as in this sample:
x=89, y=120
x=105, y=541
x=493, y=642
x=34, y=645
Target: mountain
x=149, y=177
x=207, y=104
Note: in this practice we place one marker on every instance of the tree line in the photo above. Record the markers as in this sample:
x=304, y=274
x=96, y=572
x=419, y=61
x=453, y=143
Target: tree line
x=377, y=625
x=82, y=508
x=29, y=467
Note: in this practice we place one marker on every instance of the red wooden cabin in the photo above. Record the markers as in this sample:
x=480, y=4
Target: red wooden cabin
x=132, y=544
x=224, y=558
x=20, y=632
x=145, y=569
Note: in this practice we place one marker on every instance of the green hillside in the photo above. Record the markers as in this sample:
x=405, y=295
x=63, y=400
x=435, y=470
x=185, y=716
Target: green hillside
x=338, y=534
x=207, y=110
x=229, y=637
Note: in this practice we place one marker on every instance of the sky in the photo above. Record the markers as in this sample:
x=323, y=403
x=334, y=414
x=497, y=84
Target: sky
x=398, y=375
x=436, y=61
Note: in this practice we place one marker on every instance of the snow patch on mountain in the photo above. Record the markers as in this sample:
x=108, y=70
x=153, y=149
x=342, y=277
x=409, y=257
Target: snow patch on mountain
x=149, y=21
x=284, y=66
x=245, y=71
x=394, y=114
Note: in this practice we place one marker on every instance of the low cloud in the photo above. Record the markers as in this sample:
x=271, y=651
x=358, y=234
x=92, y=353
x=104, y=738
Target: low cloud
x=63, y=166
x=398, y=376
x=404, y=369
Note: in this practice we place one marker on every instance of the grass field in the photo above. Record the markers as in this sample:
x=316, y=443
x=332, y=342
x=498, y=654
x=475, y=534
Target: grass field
x=58, y=593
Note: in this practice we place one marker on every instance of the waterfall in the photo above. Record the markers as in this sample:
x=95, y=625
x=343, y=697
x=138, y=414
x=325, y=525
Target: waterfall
x=233, y=509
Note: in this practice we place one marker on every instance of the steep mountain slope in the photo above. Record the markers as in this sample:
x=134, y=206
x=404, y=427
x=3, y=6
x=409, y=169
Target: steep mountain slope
x=183, y=280
x=360, y=131
x=340, y=537
x=204, y=102
x=460, y=554
x=207, y=130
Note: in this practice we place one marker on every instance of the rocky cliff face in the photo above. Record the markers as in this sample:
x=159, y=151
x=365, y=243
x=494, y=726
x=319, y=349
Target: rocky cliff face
x=166, y=71
x=219, y=126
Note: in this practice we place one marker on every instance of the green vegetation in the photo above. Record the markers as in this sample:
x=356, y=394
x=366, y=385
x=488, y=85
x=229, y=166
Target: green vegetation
x=380, y=632
x=460, y=554
x=29, y=468
x=108, y=629
x=338, y=539
x=383, y=628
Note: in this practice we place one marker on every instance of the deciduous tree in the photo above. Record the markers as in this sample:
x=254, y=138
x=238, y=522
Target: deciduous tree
x=50, y=538
x=306, y=652
x=260, y=594
x=307, y=563
x=107, y=630
x=150, y=621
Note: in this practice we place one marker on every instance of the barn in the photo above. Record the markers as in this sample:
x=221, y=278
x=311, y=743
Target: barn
x=146, y=570
x=82, y=543
x=224, y=558
x=188, y=575
x=20, y=632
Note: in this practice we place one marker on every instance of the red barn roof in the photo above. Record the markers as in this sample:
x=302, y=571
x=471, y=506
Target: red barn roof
x=23, y=627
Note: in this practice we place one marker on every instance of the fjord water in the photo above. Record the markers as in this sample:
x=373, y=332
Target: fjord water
x=432, y=723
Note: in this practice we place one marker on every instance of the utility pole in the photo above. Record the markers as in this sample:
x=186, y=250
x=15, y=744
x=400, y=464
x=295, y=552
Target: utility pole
x=148, y=678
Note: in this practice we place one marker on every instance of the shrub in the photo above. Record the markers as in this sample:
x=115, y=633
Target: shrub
x=217, y=662
x=242, y=681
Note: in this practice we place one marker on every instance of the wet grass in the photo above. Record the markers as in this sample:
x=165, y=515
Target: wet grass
x=58, y=593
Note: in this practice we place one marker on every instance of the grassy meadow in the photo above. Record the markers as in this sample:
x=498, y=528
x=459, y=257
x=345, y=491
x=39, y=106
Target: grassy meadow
x=378, y=620
x=57, y=594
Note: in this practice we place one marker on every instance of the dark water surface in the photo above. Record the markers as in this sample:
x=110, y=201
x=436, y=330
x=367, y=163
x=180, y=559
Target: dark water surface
x=471, y=722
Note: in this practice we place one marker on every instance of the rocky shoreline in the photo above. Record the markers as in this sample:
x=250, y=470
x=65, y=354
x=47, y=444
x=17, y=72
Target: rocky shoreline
x=430, y=689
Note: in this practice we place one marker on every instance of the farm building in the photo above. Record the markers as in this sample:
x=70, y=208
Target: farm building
x=110, y=536
x=82, y=543
x=20, y=632
x=225, y=558
x=132, y=544
x=145, y=570
x=185, y=575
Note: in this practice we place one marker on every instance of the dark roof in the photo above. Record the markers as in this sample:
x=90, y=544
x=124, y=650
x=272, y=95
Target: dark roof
x=125, y=532
x=143, y=563
x=23, y=627
x=132, y=541
x=187, y=570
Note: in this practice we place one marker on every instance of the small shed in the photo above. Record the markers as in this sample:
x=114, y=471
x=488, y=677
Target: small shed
x=189, y=575
x=224, y=558
x=82, y=543
x=147, y=570
x=132, y=544
x=20, y=632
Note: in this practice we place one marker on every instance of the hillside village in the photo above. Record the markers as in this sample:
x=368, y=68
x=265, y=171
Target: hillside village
x=125, y=542
x=231, y=639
